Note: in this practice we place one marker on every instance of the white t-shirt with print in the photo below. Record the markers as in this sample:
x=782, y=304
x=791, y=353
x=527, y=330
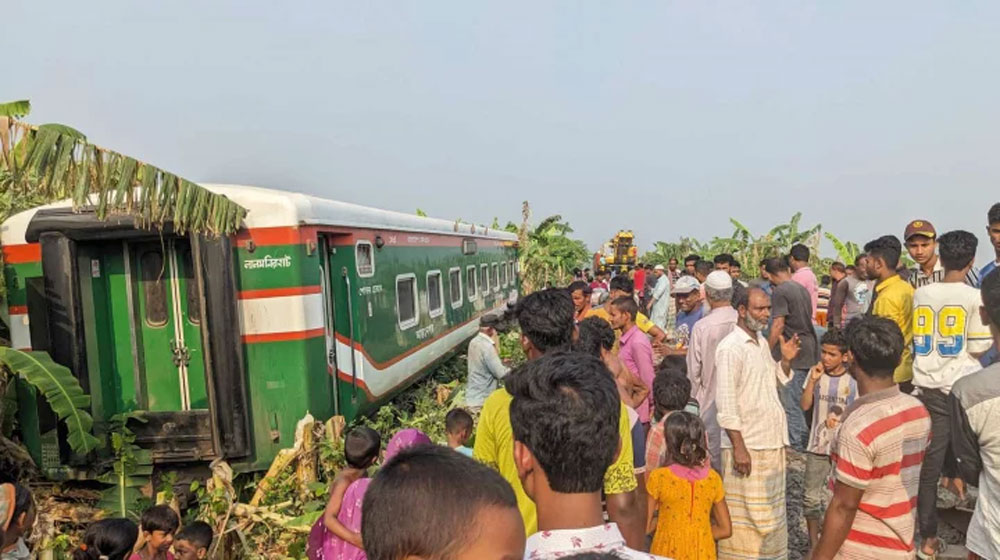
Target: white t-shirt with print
x=947, y=330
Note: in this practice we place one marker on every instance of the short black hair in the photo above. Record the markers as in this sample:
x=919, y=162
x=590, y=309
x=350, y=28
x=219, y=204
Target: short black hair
x=741, y=297
x=198, y=533
x=838, y=266
x=108, y=538
x=989, y=288
x=888, y=248
x=957, y=249
x=799, y=252
x=834, y=337
x=622, y=283
x=678, y=363
x=876, y=343
x=691, y=258
x=448, y=489
x=160, y=518
x=594, y=335
x=993, y=216
x=626, y=304
x=859, y=258
x=685, y=438
x=671, y=390
x=546, y=318
x=723, y=258
x=22, y=500
x=457, y=420
x=582, y=286
x=775, y=265
x=704, y=267
x=566, y=410
x=672, y=259
x=735, y=264
x=361, y=447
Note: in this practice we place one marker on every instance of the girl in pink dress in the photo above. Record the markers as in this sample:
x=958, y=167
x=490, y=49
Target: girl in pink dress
x=337, y=535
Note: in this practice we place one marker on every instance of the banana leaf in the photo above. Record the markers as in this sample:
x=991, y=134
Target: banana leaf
x=16, y=109
x=61, y=390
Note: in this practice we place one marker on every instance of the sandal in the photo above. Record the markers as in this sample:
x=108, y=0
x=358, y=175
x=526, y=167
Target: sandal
x=939, y=548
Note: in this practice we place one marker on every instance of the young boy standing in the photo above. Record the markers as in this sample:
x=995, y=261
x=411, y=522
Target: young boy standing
x=193, y=541
x=458, y=428
x=828, y=391
x=948, y=338
x=877, y=454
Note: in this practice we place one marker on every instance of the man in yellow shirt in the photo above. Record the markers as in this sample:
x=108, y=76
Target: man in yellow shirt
x=893, y=299
x=546, y=321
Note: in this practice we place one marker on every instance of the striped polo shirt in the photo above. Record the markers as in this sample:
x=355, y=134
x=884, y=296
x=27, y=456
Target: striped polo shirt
x=879, y=450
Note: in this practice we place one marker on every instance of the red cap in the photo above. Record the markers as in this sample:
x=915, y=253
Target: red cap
x=919, y=227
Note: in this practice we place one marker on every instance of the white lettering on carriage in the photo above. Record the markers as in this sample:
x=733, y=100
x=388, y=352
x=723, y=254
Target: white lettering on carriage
x=370, y=290
x=425, y=332
x=422, y=239
x=268, y=262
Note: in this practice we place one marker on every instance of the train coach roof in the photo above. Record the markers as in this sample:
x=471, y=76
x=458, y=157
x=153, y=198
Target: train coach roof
x=276, y=208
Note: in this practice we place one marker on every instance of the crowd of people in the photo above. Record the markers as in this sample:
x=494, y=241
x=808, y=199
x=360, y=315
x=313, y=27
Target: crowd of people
x=657, y=422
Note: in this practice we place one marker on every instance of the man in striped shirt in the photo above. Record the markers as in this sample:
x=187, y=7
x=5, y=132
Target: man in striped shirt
x=921, y=242
x=877, y=454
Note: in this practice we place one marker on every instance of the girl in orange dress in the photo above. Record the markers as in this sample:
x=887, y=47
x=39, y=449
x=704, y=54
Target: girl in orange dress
x=688, y=495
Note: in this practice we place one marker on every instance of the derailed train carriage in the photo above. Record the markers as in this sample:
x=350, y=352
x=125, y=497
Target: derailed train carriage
x=225, y=343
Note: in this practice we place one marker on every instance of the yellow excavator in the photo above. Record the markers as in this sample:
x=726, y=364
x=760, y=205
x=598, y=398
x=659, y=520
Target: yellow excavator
x=618, y=254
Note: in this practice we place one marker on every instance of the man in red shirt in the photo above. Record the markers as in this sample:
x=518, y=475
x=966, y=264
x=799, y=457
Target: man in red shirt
x=878, y=453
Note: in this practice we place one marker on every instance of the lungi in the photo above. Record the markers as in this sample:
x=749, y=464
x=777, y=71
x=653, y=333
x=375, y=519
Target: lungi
x=756, y=506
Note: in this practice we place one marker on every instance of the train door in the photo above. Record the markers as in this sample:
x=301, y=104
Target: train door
x=338, y=315
x=168, y=327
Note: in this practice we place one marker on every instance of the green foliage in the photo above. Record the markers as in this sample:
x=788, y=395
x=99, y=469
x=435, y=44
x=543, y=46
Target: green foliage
x=846, y=251
x=130, y=471
x=56, y=162
x=61, y=390
x=747, y=248
x=546, y=252
x=510, y=349
x=15, y=109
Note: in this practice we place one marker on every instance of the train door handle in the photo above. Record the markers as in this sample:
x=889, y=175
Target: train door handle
x=181, y=355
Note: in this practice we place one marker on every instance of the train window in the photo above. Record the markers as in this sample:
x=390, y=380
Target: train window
x=515, y=269
x=484, y=278
x=503, y=274
x=154, y=288
x=435, y=294
x=406, y=300
x=496, y=277
x=470, y=284
x=364, y=258
x=455, y=286
x=191, y=287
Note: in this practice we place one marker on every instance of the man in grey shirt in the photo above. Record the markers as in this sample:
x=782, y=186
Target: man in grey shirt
x=485, y=368
x=791, y=315
x=852, y=296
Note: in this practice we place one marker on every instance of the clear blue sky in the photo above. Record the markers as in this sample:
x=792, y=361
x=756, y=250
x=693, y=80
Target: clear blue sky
x=666, y=117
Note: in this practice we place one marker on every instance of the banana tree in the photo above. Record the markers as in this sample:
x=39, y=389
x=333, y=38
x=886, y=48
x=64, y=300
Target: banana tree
x=62, y=391
x=55, y=162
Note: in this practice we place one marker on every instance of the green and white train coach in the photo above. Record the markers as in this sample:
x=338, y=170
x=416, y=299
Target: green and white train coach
x=225, y=343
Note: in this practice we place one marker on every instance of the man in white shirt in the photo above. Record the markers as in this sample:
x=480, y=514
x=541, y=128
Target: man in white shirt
x=564, y=417
x=948, y=338
x=755, y=431
x=659, y=305
x=975, y=424
x=484, y=365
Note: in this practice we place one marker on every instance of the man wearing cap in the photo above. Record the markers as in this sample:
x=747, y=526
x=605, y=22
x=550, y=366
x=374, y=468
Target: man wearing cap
x=921, y=242
x=659, y=305
x=705, y=337
x=485, y=368
x=687, y=291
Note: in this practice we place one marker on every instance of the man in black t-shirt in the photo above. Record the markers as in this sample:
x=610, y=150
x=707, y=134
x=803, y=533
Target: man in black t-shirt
x=791, y=314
